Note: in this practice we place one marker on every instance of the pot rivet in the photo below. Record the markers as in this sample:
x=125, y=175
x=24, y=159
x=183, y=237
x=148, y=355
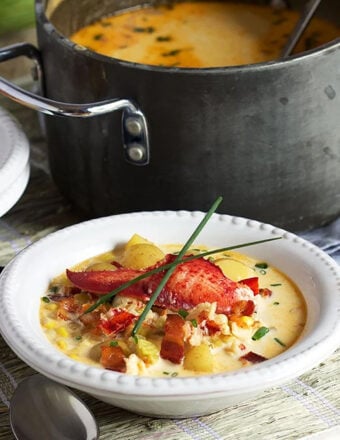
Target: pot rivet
x=133, y=126
x=136, y=152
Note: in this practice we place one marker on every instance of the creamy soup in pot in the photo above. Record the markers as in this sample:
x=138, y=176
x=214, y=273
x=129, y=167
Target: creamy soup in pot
x=216, y=313
x=200, y=34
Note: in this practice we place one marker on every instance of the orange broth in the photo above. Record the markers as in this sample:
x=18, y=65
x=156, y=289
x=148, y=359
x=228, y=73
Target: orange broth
x=200, y=34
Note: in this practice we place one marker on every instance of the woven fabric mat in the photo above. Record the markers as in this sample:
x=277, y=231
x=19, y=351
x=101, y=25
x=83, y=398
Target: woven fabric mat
x=308, y=405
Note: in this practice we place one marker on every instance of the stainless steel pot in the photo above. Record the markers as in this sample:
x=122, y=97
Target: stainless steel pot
x=265, y=136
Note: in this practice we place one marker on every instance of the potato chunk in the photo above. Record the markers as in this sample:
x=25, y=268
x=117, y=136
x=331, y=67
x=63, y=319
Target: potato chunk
x=101, y=266
x=147, y=351
x=235, y=270
x=137, y=239
x=199, y=358
x=140, y=256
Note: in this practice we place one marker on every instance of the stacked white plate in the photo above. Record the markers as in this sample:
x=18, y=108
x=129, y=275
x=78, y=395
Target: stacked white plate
x=14, y=162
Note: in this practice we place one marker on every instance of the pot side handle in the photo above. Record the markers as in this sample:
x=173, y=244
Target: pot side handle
x=134, y=124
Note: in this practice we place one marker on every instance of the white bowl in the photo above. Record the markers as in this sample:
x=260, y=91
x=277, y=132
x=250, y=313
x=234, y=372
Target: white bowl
x=25, y=279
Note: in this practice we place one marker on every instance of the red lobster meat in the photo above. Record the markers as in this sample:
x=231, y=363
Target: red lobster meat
x=192, y=282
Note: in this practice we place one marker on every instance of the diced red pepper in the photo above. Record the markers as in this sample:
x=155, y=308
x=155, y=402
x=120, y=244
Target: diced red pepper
x=112, y=358
x=172, y=348
x=253, y=357
x=265, y=292
x=117, y=321
x=253, y=283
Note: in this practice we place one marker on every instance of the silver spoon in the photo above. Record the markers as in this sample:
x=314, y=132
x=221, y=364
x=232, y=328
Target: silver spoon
x=300, y=27
x=43, y=409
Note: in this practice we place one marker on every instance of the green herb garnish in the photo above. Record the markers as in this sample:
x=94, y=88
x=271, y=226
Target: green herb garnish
x=262, y=331
x=179, y=257
x=277, y=284
x=46, y=299
x=113, y=344
x=263, y=272
x=98, y=37
x=171, y=53
x=183, y=313
x=110, y=295
x=165, y=38
x=171, y=268
x=53, y=289
x=194, y=323
x=147, y=29
x=279, y=342
x=166, y=372
x=261, y=265
x=78, y=338
x=174, y=374
x=276, y=303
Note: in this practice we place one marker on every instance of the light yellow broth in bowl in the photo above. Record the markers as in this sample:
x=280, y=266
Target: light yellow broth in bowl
x=201, y=34
x=211, y=341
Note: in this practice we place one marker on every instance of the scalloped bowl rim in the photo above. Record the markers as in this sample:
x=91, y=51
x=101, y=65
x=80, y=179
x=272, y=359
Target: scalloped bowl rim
x=19, y=323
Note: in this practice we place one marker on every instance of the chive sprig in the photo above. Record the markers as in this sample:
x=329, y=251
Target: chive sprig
x=177, y=260
x=170, y=267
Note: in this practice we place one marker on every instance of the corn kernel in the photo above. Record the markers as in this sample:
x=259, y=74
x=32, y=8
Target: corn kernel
x=51, y=306
x=217, y=342
x=50, y=324
x=62, y=345
x=74, y=356
x=242, y=321
x=247, y=321
x=62, y=331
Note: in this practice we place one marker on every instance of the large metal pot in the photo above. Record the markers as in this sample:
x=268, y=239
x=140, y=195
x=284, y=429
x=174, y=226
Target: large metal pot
x=265, y=136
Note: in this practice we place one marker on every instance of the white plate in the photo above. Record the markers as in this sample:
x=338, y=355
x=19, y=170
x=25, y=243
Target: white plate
x=14, y=161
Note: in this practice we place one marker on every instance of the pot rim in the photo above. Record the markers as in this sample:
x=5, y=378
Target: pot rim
x=322, y=50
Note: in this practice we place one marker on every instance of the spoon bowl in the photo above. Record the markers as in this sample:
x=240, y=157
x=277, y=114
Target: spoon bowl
x=42, y=408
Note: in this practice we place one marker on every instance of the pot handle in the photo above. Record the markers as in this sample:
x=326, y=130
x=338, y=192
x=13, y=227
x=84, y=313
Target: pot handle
x=134, y=125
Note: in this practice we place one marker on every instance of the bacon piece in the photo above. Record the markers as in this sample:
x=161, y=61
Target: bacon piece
x=112, y=358
x=212, y=327
x=117, y=321
x=67, y=308
x=192, y=282
x=253, y=283
x=172, y=348
x=253, y=357
x=243, y=308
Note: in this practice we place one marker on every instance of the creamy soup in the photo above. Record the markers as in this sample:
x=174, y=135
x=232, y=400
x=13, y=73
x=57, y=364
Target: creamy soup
x=215, y=314
x=200, y=34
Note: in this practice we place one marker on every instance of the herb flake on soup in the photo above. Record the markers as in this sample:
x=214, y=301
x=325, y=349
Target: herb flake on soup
x=201, y=34
x=213, y=315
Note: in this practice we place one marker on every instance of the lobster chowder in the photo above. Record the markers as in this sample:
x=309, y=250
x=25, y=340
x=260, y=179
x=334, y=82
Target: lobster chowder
x=215, y=313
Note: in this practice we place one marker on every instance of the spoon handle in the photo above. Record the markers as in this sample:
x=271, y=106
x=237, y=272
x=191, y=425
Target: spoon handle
x=300, y=27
